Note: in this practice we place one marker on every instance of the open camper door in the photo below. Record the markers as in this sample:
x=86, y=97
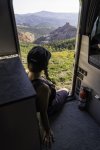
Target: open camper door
x=18, y=122
x=87, y=63
x=8, y=33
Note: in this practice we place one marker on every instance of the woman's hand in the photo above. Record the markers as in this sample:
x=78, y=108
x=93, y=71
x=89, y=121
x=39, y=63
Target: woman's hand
x=48, y=138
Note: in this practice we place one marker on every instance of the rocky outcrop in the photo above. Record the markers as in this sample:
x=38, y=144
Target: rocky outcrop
x=61, y=33
x=65, y=32
x=25, y=37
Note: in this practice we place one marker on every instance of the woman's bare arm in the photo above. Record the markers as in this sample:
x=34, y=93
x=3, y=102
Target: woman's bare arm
x=43, y=101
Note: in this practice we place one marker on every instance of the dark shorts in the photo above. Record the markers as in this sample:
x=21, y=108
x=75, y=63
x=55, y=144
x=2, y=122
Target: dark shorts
x=58, y=102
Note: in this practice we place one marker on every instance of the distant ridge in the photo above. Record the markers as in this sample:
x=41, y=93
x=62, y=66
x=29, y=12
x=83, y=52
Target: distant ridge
x=54, y=18
x=43, y=24
x=65, y=32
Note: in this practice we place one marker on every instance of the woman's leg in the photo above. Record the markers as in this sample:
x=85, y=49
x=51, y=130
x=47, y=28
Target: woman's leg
x=59, y=101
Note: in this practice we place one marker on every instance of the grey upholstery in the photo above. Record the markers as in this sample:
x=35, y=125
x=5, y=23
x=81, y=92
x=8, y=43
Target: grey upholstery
x=95, y=59
x=14, y=83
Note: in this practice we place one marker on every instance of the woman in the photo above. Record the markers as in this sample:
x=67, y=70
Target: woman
x=48, y=99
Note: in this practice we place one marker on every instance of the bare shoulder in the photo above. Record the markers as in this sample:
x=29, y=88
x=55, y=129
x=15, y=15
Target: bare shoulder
x=43, y=94
x=44, y=88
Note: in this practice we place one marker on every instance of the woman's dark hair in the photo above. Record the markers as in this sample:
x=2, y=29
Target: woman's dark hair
x=38, y=57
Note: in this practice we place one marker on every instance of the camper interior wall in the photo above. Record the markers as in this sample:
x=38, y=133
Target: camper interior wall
x=91, y=79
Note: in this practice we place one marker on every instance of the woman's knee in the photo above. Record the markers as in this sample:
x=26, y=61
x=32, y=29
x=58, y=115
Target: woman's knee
x=63, y=89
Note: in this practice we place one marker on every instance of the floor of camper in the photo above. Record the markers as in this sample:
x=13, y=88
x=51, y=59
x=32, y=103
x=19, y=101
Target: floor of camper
x=75, y=129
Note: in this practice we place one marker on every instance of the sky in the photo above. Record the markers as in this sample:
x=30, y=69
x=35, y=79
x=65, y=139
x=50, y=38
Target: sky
x=31, y=6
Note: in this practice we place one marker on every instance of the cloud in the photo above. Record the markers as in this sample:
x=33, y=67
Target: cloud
x=29, y=6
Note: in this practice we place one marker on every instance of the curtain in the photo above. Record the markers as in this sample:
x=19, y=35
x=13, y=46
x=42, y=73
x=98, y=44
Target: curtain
x=92, y=15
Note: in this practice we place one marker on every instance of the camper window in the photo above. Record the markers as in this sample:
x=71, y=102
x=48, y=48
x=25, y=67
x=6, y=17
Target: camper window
x=94, y=52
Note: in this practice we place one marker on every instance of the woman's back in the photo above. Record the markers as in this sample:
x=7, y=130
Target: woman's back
x=41, y=82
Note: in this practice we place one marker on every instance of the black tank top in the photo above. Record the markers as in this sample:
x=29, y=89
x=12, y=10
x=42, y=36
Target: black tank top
x=38, y=82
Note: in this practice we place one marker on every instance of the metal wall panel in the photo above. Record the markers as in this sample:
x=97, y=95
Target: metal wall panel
x=91, y=80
